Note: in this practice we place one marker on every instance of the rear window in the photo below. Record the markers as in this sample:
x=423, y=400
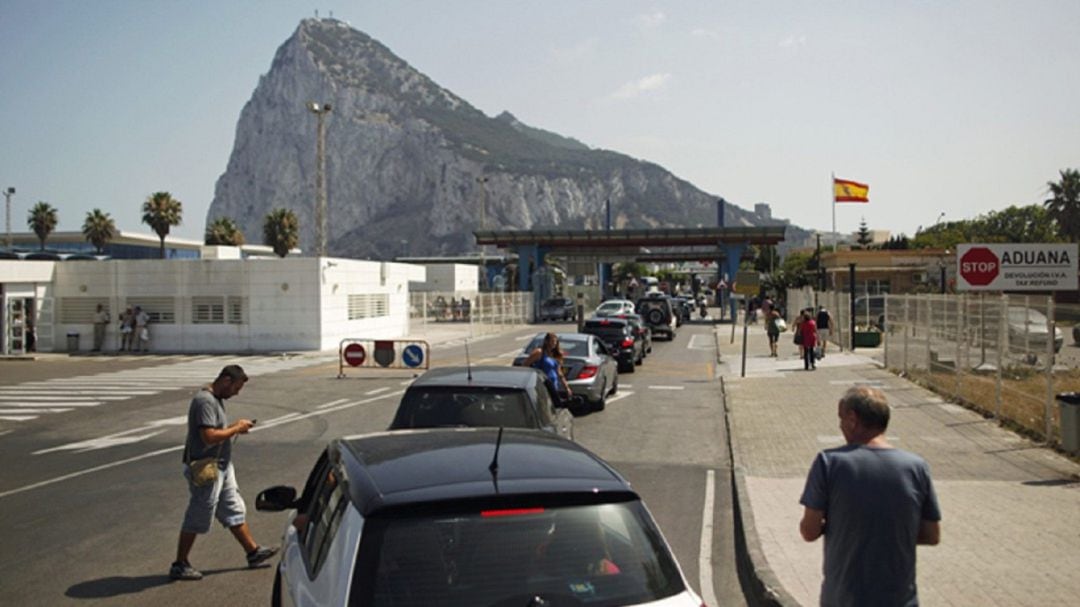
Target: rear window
x=574, y=348
x=472, y=407
x=606, y=554
x=608, y=332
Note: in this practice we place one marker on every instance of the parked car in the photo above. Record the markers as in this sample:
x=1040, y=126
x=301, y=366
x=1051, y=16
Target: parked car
x=558, y=308
x=614, y=307
x=659, y=313
x=477, y=516
x=483, y=396
x=620, y=339
x=589, y=367
x=1027, y=327
x=641, y=329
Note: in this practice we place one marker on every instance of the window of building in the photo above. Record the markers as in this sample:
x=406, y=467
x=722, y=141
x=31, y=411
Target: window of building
x=162, y=310
x=368, y=305
x=208, y=310
x=81, y=310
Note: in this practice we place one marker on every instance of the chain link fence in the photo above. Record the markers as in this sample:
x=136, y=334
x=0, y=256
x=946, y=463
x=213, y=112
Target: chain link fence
x=1007, y=356
x=485, y=313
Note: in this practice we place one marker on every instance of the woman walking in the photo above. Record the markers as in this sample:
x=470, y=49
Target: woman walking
x=808, y=331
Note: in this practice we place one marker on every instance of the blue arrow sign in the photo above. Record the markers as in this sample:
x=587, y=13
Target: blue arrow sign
x=413, y=355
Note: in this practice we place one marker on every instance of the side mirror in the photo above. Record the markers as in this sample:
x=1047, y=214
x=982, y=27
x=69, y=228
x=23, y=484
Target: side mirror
x=276, y=499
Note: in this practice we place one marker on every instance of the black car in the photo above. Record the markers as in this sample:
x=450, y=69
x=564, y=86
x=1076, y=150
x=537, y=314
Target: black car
x=620, y=339
x=475, y=516
x=659, y=313
x=558, y=308
x=512, y=397
x=641, y=329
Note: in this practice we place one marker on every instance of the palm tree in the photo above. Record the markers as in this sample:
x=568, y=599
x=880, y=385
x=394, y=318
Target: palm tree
x=98, y=229
x=281, y=230
x=224, y=231
x=1064, y=207
x=42, y=220
x=161, y=211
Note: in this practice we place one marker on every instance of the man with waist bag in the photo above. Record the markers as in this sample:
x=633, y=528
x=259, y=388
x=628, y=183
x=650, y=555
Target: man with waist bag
x=210, y=476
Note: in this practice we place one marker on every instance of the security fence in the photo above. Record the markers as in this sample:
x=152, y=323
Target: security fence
x=1004, y=355
x=484, y=312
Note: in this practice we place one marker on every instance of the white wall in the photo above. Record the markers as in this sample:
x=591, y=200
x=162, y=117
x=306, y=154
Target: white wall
x=299, y=303
x=449, y=278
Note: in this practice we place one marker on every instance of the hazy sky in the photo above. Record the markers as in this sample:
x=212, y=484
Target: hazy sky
x=955, y=107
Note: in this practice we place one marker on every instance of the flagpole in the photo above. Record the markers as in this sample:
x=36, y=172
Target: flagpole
x=832, y=189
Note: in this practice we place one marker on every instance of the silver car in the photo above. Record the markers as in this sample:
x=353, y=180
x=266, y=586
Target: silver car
x=589, y=367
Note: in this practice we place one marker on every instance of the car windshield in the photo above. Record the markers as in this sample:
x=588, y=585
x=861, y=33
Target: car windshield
x=437, y=407
x=1026, y=315
x=605, y=554
x=606, y=331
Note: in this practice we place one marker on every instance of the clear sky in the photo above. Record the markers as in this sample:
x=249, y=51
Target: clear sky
x=959, y=107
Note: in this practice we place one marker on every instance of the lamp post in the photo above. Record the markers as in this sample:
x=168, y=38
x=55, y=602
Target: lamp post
x=482, y=181
x=8, y=193
x=320, y=110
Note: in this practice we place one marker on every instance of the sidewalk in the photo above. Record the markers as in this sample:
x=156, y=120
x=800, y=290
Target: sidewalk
x=1010, y=508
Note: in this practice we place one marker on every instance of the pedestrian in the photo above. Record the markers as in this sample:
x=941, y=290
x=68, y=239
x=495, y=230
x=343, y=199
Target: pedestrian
x=548, y=359
x=142, y=330
x=211, y=478
x=127, y=329
x=874, y=504
x=773, y=328
x=824, y=325
x=101, y=320
x=808, y=333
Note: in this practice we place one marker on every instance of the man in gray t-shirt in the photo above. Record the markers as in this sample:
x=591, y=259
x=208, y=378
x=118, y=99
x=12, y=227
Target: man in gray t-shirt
x=210, y=434
x=873, y=503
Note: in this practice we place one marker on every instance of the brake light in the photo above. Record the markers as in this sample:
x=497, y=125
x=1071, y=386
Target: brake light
x=510, y=512
x=627, y=343
x=587, y=372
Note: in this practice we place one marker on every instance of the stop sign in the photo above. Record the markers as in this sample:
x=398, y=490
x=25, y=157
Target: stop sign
x=355, y=355
x=979, y=266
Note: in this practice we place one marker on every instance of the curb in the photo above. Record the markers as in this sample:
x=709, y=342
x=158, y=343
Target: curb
x=760, y=585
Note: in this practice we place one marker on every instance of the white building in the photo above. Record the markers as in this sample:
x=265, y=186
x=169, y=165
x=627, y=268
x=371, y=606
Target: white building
x=208, y=305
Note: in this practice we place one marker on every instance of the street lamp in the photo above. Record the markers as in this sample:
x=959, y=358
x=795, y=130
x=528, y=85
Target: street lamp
x=320, y=110
x=483, y=226
x=8, y=193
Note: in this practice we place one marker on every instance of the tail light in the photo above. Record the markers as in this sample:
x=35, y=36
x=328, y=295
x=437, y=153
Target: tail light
x=510, y=512
x=588, y=371
x=627, y=343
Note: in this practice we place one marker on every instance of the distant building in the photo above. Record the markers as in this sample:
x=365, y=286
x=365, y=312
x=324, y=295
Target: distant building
x=890, y=271
x=763, y=210
x=127, y=245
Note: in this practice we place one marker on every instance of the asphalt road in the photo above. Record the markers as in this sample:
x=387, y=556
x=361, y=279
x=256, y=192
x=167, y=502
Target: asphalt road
x=92, y=494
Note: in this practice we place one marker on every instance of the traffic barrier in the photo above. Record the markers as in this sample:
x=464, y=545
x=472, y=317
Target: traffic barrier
x=359, y=353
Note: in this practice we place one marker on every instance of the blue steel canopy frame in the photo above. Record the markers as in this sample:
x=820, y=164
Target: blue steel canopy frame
x=726, y=245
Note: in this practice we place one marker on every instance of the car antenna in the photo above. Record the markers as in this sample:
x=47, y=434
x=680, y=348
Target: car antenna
x=493, y=467
x=468, y=361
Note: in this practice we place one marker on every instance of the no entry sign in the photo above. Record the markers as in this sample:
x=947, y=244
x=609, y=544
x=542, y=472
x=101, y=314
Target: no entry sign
x=1017, y=267
x=355, y=355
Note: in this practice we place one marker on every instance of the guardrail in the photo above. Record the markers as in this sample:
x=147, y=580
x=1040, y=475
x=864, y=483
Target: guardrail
x=360, y=353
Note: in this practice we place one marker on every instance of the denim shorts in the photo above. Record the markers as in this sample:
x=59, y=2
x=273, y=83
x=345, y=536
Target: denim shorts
x=221, y=500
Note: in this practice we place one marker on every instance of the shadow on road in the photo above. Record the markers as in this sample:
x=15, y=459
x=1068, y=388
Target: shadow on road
x=119, y=585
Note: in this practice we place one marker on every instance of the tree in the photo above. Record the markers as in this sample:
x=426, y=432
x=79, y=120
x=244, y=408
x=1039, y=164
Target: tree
x=900, y=242
x=281, y=231
x=42, y=220
x=99, y=229
x=767, y=260
x=224, y=231
x=1064, y=206
x=161, y=211
x=864, y=239
x=1016, y=224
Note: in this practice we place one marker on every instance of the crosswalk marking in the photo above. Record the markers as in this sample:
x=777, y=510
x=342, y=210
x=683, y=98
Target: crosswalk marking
x=29, y=400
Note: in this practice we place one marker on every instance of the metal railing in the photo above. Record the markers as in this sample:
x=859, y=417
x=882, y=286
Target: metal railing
x=483, y=312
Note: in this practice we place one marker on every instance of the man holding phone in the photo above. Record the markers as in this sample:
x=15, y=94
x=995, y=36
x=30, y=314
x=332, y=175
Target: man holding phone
x=210, y=435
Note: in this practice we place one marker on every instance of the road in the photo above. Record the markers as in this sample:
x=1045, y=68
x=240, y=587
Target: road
x=92, y=496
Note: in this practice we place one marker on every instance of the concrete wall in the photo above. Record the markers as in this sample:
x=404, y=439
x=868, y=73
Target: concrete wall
x=299, y=303
x=449, y=278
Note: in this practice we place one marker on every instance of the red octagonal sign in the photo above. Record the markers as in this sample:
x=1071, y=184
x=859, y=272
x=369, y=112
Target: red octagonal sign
x=979, y=266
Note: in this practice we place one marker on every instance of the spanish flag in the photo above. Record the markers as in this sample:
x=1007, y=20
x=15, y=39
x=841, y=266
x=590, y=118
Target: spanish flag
x=850, y=191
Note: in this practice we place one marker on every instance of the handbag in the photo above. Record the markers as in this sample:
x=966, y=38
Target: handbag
x=204, y=471
x=798, y=337
x=781, y=326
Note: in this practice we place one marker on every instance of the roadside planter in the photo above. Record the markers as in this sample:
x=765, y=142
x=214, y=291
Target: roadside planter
x=867, y=339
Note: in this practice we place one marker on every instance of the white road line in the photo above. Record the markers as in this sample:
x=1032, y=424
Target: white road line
x=59, y=403
x=90, y=392
x=27, y=397
x=150, y=454
x=28, y=411
x=333, y=402
x=287, y=416
x=705, y=562
x=709, y=343
x=628, y=386
x=621, y=395
x=16, y=418
x=375, y=391
x=667, y=387
x=511, y=353
x=406, y=382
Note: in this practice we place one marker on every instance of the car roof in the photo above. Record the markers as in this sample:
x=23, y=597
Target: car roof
x=410, y=468
x=482, y=376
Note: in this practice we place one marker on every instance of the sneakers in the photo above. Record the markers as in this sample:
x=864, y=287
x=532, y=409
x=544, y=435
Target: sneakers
x=260, y=555
x=184, y=571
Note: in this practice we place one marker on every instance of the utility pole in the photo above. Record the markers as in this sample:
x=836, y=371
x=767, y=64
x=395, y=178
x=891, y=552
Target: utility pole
x=320, y=110
x=8, y=193
x=482, y=181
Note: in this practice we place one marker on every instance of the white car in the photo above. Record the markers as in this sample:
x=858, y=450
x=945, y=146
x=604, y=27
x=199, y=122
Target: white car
x=469, y=517
x=614, y=307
